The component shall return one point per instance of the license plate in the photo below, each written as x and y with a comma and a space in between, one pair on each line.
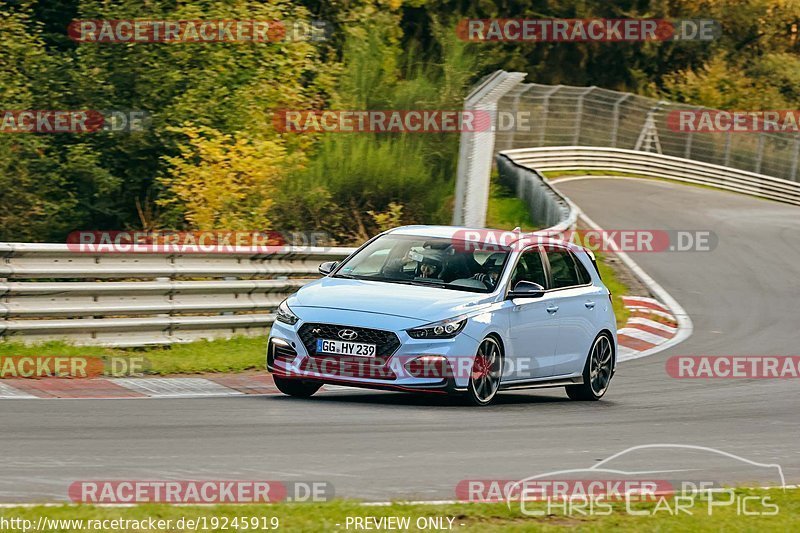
358, 349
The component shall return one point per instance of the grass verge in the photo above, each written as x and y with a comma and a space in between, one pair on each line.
506, 211
333, 516
616, 286
223, 355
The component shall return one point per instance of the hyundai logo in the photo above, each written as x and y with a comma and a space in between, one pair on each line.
347, 334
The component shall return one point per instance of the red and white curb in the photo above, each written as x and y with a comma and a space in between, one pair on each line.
130, 388
650, 325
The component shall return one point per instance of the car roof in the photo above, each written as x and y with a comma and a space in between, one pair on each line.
482, 235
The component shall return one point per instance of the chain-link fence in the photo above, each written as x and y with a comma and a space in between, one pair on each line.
589, 116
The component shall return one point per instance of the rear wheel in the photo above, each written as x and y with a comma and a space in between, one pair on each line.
484, 380
596, 372
296, 387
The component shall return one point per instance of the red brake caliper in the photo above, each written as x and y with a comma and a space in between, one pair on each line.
480, 368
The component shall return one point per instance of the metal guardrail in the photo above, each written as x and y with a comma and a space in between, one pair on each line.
656, 165
548, 207
54, 292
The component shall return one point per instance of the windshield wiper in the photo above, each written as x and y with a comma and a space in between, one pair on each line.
426, 281
421, 282
371, 278
444, 285
350, 276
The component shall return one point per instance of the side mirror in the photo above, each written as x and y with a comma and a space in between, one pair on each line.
526, 289
327, 267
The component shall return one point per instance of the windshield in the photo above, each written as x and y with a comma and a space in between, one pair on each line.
442, 262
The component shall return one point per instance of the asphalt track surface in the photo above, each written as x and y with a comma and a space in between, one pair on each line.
743, 298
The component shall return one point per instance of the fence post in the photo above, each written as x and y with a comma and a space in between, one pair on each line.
760, 153
687, 152
793, 172
615, 128
546, 112
579, 115
515, 110
727, 148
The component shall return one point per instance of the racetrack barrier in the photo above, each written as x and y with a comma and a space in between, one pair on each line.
53, 292
651, 164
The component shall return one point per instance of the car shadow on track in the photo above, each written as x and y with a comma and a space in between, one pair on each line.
430, 400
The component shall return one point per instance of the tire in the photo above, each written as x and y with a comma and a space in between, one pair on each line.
487, 369
296, 387
597, 371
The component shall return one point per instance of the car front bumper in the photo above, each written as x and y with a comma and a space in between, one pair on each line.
446, 368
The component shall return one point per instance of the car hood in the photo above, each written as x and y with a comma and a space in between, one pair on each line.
426, 304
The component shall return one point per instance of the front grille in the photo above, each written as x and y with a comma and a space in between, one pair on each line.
386, 342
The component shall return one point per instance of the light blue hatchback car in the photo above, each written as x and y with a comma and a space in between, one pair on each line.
450, 310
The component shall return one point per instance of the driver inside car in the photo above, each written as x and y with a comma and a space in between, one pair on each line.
490, 271
429, 268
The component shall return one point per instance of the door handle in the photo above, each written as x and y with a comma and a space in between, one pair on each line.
589, 304
552, 309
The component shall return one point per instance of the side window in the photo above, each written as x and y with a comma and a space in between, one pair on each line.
583, 274
529, 268
563, 269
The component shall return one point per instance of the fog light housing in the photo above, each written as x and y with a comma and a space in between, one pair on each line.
429, 366
280, 350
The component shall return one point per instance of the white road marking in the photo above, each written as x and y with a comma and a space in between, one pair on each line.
176, 387
624, 353
651, 324
642, 335
8, 392
652, 312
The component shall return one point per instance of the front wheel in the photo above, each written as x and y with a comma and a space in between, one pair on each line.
484, 379
596, 372
296, 387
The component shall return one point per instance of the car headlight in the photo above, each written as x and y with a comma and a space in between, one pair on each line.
285, 315
446, 329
